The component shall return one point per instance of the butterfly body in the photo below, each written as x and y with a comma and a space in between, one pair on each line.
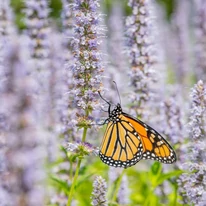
127, 140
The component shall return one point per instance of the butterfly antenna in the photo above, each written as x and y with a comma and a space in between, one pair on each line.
117, 92
104, 98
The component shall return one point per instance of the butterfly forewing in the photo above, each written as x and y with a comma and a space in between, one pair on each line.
121, 145
154, 145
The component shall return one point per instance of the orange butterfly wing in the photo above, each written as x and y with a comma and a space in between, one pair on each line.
154, 145
121, 145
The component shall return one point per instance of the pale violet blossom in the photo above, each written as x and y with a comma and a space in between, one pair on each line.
99, 192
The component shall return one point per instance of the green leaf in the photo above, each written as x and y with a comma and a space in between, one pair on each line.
167, 176
60, 184
156, 168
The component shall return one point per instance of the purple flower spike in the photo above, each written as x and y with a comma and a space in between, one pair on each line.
87, 67
99, 192
141, 50
192, 183
37, 12
200, 34
23, 173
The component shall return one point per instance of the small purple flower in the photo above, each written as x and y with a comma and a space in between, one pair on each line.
92, 43
99, 192
80, 148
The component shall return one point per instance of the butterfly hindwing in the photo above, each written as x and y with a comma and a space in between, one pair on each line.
154, 145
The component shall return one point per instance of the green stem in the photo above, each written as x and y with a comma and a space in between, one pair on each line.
70, 169
84, 134
74, 183
77, 171
149, 200
175, 198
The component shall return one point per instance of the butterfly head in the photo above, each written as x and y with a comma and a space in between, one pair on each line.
118, 108
114, 114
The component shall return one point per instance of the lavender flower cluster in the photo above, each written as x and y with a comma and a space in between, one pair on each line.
200, 32
141, 50
99, 192
23, 172
37, 13
87, 68
192, 182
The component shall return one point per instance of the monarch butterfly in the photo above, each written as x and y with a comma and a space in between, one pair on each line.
127, 140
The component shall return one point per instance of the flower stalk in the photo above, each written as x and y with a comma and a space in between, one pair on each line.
86, 69
74, 183
77, 170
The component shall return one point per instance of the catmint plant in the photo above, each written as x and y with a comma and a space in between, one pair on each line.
7, 32
116, 39
171, 116
192, 183
42, 68
173, 124
200, 39
65, 126
36, 21
67, 109
67, 28
181, 41
55, 97
37, 31
141, 51
116, 58
99, 192
6, 19
24, 156
87, 68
